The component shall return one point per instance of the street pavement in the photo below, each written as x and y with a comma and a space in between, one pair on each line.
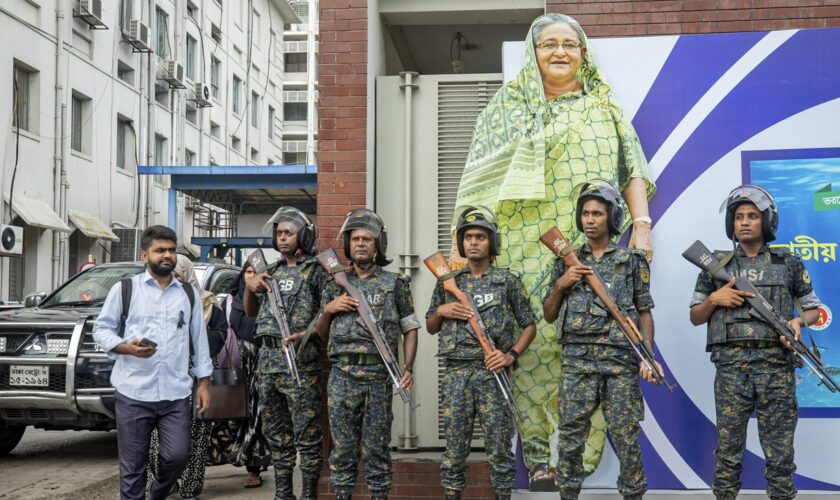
83, 465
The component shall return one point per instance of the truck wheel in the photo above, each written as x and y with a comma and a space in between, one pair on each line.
9, 437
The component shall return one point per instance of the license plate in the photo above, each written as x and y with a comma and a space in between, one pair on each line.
29, 375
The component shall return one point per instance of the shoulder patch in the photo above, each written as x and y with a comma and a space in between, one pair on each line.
499, 275
645, 273
779, 250
639, 252
805, 276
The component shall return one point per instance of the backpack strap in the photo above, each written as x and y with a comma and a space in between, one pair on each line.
125, 295
190, 291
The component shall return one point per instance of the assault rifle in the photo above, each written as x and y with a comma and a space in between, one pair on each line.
762, 310
278, 310
329, 261
440, 268
558, 244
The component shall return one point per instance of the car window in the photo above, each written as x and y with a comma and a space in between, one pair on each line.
91, 286
222, 280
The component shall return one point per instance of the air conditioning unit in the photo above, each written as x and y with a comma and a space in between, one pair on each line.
202, 96
128, 248
173, 74
138, 36
90, 11
11, 240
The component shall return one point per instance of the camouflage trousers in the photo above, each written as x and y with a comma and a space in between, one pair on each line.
360, 414
773, 397
596, 375
291, 418
470, 391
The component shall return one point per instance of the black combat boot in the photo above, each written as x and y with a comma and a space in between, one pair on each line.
343, 494
379, 495
502, 494
452, 494
283, 487
310, 489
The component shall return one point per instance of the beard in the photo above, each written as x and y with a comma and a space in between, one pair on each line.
162, 268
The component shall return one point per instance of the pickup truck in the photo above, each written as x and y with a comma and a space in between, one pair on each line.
53, 375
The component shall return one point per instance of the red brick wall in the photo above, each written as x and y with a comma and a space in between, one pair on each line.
342, 114
666, 17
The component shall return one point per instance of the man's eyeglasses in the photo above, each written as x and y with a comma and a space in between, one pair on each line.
553, 46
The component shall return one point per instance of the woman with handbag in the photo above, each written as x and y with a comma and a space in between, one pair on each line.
242, 442
191, 482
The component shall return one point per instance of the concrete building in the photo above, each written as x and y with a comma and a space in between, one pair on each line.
103, 87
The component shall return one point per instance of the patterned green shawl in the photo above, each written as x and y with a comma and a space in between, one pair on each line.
507, 159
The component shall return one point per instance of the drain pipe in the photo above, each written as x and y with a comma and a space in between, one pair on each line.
407, 266
58, 160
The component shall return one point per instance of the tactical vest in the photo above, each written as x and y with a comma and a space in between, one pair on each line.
300, 303
768, 271
348, 336
490, 296
584, 318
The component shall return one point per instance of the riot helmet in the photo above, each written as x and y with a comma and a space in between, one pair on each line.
368, 220
303, 228
606, 191
762, 199
481, 217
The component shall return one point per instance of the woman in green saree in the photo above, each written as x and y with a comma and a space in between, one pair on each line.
554, 126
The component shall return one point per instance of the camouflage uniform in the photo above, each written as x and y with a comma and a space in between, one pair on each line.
292, 414
600, 368
468, 388
754, 370
359, 391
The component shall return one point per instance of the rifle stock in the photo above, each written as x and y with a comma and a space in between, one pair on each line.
439, 267
699, 255
558, 244
328, 259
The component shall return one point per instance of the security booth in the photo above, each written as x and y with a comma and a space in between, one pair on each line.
223, 207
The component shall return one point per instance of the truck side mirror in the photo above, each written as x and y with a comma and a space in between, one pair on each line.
33, 299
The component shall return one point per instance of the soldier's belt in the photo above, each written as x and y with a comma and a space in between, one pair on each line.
359, 359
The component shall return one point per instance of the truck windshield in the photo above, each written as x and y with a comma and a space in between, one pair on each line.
90, 287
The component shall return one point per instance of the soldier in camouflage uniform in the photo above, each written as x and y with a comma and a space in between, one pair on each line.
599, 365
359, 390
291, 414
754, 371
469, 389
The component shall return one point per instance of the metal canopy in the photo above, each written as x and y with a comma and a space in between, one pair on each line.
252, 188
91, 227
36, 213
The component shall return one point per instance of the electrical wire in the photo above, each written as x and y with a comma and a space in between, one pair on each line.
17, 145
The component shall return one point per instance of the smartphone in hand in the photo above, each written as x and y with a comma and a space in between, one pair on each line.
148, 343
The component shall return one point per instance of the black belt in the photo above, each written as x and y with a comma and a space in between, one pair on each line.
273, 342
359, 358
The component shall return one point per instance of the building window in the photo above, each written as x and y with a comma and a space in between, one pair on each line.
81, 123
235, 143
161, 155
294, 62
192, 10
302, 10
294, 158
191, 114
191, 48
255, 155
269, 161
215, 130
237, 85
255, 110
215, 72
125, 72
294, 111
126, 13
189, 157
270, 122
162, 41
240, 12
125, 142
25, 98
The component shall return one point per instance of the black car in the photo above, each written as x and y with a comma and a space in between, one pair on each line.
53, 375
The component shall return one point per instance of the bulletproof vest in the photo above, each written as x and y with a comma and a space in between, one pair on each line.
299, 301
489, 292
584, 318
768, 272
347, 333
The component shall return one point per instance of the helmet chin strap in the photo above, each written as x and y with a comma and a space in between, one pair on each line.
370, 265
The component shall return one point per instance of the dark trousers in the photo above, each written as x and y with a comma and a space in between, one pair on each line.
135, 421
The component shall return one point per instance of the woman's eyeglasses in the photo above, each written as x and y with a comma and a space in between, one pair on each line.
553, 46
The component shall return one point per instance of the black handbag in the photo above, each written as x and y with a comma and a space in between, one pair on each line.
228, 394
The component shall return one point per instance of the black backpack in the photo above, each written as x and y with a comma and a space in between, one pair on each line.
127, 285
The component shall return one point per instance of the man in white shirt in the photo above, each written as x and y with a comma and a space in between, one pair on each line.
151, 374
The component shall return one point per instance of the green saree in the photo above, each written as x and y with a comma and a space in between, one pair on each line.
526, 156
